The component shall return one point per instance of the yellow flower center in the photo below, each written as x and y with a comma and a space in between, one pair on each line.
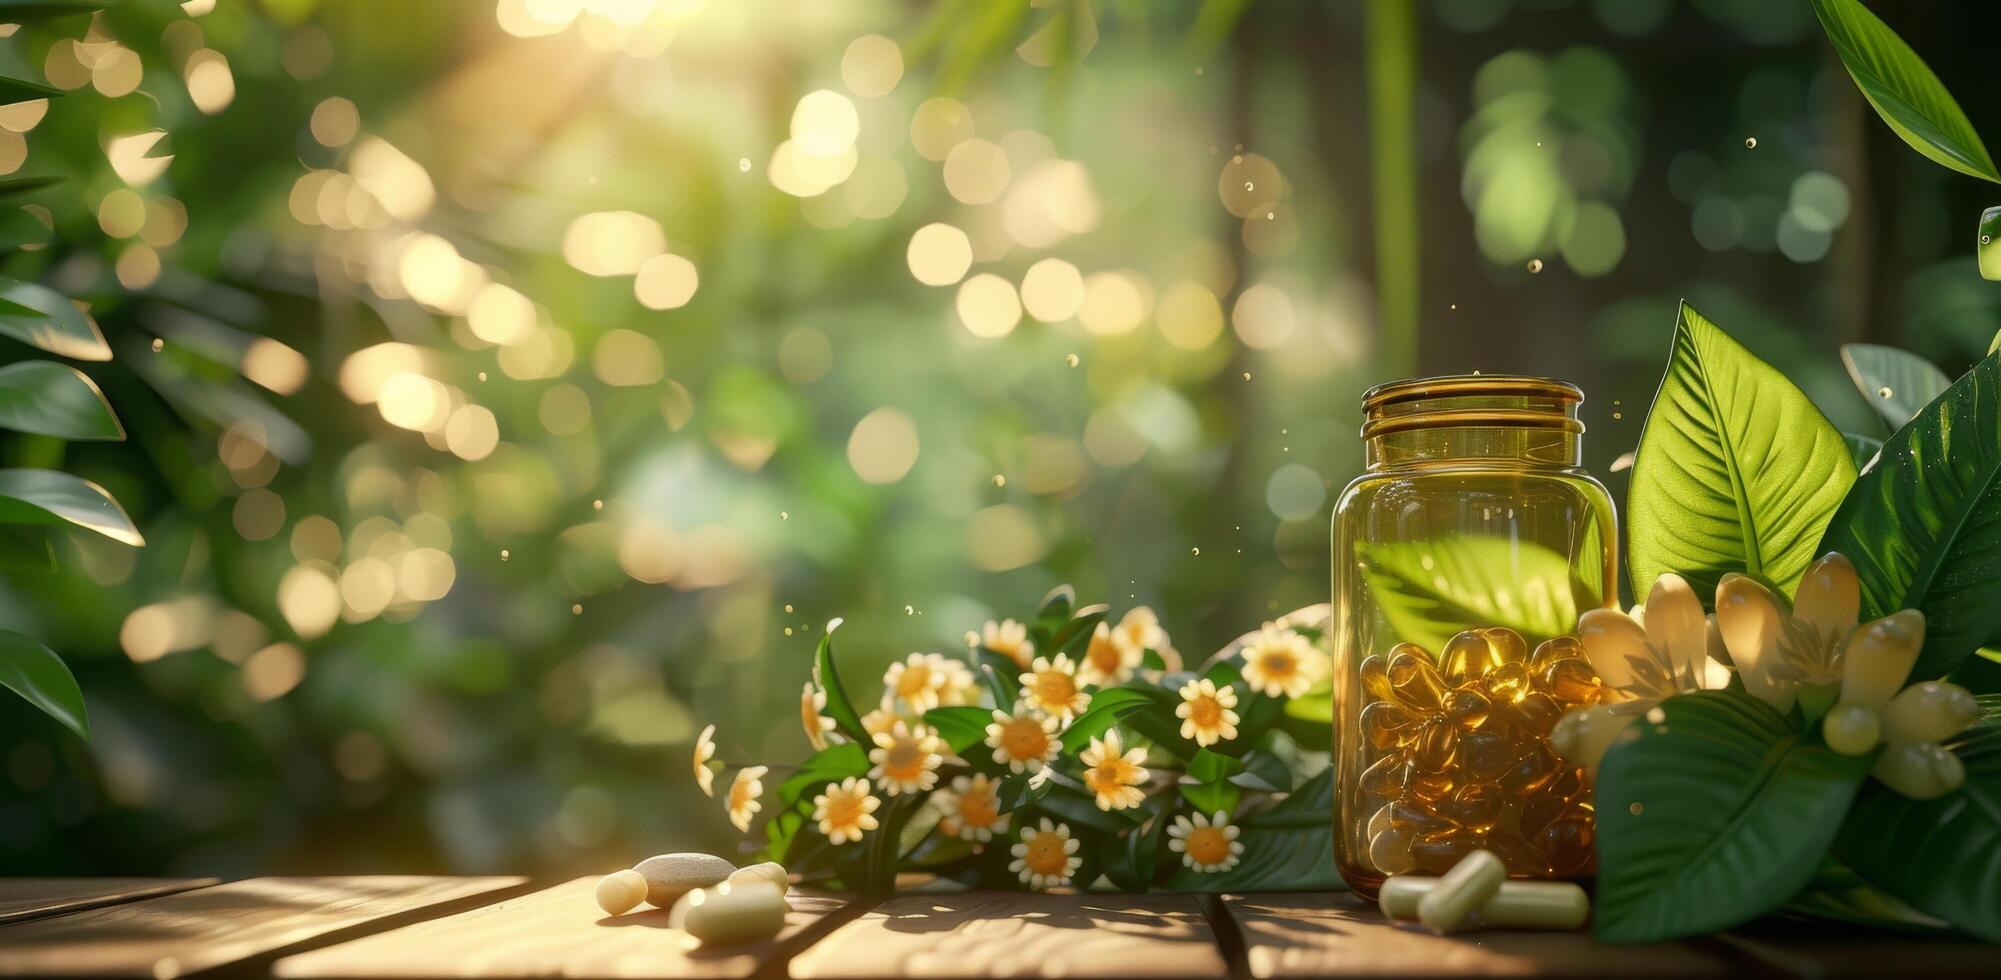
740, 795
1024, 738
1278, 663
979, 809
1105, 656
1108, 776
1207, 845
1205, 712
904, 760
1054, 689
844, 809
915, 679
1045, 855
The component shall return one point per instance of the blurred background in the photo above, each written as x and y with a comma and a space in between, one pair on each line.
515, 387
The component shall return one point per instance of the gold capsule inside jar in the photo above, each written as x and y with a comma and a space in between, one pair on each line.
1458, 757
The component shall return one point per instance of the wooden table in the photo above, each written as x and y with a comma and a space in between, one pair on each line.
425, 927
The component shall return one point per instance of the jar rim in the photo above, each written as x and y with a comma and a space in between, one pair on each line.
1469, 385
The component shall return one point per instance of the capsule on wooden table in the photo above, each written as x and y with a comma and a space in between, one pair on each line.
1470, 883
1517, 905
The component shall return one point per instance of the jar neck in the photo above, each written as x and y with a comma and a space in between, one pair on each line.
1502, 421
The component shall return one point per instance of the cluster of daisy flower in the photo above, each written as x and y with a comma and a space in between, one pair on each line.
1051, 691
1809, 652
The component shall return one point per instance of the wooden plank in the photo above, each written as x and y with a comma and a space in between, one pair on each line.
1822, 949
32, 898
1319, 935
556, 932
976, 934
210, 927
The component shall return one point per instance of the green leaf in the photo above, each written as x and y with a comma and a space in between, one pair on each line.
1107, 709
1903, 89
17, 185
1206, 783
1942, 856
1286, 847
34, 672
1896, 382
1430, 590
38, 315
961, 727
53, 399
1861, 449
1310, 719
18, 228
1923, 525
1056, 605
1263, 772
1133, 870
1838, 894
1074, 636
1081, 809
13, 90
829, 765
52, 497
1713, 816
1737, 471
839, 707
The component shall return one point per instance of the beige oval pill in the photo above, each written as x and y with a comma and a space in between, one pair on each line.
727, 915
669, 876
1470, 883
770, 872
619, 891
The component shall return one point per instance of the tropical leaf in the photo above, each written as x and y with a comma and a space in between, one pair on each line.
1942, 856
1897, 383
34, 672
1713, 816
53, 399
14, 90
1286, 847
1923, 523
839, 707
1430, 590
16, 185
53, 497
38, 315
1903, 89
1861, 449
961, 726
1737, 471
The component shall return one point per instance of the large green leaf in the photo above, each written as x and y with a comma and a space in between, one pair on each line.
28, 11
1737, 471
839, 707
1942, 856
1287, 847
14, 90
1714, 815
1923, 523
53, 497
1861, 449
53, 399
34, 672
1905, 92
38, 315
961, 726
1429, 590
1896, 382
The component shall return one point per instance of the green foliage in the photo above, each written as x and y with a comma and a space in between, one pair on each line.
1942, 856
53, 497
961, 726
1896, 383
1923, 526
1737, 471
1716, 815
839, 707
1107, 708
40, 316
14, 90
1286, 847
1903, 89
34, 672
1430, 590
1861, 449
53, 399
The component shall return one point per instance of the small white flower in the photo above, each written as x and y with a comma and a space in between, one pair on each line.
846, 810
1109, 660
1050, 686
917, 681
1007, 638
1206, 844
1045, 858
1205, 712
1114, 776
744, 791
970, 809
906, 759
812, 702
705, 749
1281, 662
1023, 740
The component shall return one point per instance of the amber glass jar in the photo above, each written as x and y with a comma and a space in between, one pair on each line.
1462, 557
